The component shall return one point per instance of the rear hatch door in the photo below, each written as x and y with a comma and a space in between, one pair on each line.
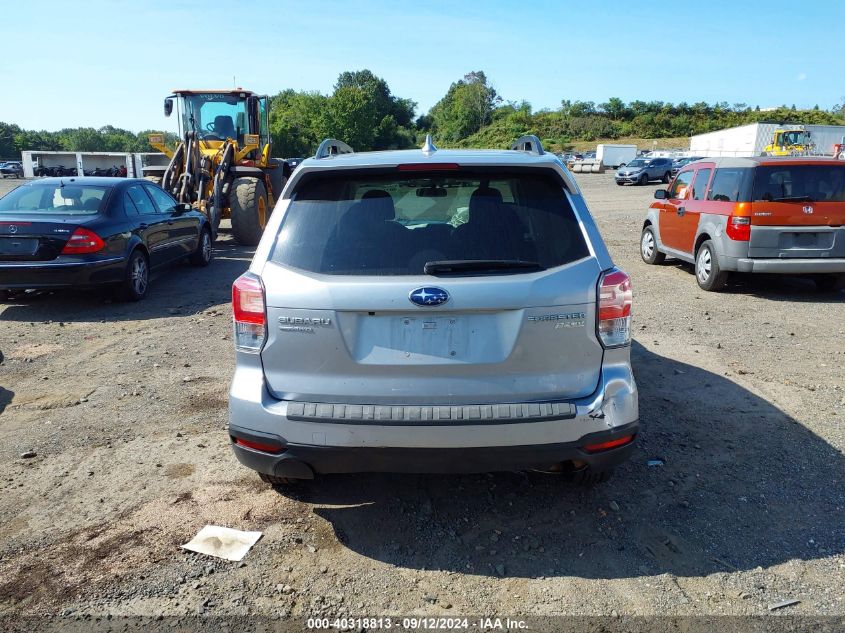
452, 287
798, 211
508, 338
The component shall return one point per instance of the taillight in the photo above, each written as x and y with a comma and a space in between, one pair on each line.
259, 446
82, 242
606, 446
614, 311
738, 228
249, 313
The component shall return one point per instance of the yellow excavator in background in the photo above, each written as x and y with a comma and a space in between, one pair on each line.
222, 165
794, 141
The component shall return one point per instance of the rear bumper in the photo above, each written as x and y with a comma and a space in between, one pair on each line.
60, 274
787, 266
303, 461
404, 442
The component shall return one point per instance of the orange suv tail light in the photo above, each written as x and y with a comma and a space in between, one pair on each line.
738, 228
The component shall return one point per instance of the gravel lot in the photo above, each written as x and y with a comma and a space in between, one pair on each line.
742, 397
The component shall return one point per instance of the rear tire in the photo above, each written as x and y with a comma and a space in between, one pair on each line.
204, 253
248, 203
667, 177
830, 282
136, 279
648, 247
707, 272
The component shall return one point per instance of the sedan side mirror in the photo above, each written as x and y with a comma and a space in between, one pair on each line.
661, 194
182, 207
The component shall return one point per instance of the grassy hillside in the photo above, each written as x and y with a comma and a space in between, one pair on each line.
678, 142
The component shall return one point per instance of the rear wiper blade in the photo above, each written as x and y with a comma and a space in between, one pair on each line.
466, 265
794, 199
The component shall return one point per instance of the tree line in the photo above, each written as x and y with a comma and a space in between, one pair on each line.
362, 110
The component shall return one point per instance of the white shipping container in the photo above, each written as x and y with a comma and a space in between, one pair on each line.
615, 155
752, 139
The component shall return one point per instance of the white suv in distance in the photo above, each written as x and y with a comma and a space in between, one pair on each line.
432, 311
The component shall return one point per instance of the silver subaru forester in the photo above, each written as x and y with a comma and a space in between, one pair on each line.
432, 311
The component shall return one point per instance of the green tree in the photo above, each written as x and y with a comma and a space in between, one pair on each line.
466, 107
296, 124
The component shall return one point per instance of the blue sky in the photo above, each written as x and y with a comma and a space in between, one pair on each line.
91, 63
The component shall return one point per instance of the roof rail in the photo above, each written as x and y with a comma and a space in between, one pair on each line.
528, 143
332, 147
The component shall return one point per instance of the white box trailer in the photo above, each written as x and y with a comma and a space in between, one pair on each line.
752, 139
81, 162
615, 156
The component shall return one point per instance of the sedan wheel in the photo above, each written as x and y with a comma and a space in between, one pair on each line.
202, 256
136, 279
140, 275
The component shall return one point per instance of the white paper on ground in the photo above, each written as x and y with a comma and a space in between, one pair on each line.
222, 542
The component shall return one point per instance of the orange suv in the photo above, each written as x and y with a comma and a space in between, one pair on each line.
752, 215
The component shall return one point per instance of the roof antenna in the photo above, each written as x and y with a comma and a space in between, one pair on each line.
428, 147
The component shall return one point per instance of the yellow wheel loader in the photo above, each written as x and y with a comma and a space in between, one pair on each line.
790, 142
222, 164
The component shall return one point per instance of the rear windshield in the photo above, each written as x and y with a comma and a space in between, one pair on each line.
810, 183
59, 199
393, 224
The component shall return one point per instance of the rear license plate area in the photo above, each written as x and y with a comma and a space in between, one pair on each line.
430, 336
16, 246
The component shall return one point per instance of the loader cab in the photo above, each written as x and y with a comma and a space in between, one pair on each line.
791, 138
217, 115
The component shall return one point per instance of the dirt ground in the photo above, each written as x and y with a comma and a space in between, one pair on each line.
742, 399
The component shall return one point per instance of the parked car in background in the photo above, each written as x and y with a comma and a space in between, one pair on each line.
294, 162
678, 163
11, 169
752, 215
641, 171
437, 311
81, 232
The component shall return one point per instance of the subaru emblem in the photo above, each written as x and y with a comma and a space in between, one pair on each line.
428, 296
13, 229
808, 209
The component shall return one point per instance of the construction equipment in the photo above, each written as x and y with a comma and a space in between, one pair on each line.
793, 141
222, 164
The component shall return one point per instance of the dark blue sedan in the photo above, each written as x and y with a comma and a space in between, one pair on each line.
83, 232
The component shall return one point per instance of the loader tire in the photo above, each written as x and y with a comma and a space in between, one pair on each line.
248, 204
156, 180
